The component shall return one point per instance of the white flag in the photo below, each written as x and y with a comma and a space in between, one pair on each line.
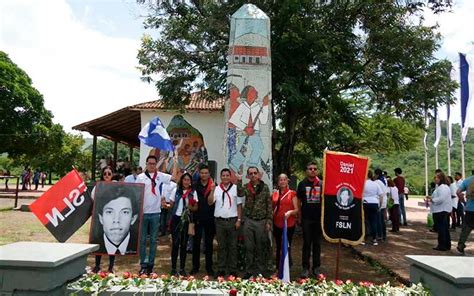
427, 126
438, 128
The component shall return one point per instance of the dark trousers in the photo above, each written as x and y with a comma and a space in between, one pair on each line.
460, 214
395, 217
381, 226
98, 258
467, 227
226, 235
312, 234
371, 217
278, 234
180, 236
164, 218
208, 228
453, 215
441, 222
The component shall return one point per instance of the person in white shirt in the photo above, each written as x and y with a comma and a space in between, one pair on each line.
182, 204
395, 209
151, 210
372, 198
382, 227
441, 206
460, 209
454, 201
228, 215
133, 176
167, 192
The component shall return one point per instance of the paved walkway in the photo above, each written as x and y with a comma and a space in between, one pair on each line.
414, 239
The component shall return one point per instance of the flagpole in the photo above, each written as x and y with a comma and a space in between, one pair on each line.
338, 254
436, 158
462, 159
449, 158
426, 172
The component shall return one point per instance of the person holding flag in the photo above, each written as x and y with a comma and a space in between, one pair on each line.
155, 135
309, 194
285, 209
204, 220
228, 217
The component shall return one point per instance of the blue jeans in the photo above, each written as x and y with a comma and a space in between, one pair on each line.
150, 226
403, 214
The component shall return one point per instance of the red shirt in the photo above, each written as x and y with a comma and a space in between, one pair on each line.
286, 204
400, 183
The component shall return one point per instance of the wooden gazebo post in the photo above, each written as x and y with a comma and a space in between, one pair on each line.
94, 154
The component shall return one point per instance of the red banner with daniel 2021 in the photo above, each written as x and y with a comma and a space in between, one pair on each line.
343, 187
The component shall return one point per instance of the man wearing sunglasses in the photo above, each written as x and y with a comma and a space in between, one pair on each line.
153, 180
309, 194
258, 215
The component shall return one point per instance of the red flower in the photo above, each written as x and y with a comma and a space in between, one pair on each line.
339, 282
103, 274
127, 275
302, 281
220, 279
205, 278
233, 292
143, 276
154, 275
321, 277
231, 278
191, 278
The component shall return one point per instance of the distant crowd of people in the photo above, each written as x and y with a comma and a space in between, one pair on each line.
30, 180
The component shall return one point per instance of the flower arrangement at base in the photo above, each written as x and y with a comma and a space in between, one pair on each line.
93, 284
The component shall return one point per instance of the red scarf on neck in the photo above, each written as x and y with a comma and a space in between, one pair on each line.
208, 187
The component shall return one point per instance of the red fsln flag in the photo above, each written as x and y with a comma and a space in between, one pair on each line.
65, 207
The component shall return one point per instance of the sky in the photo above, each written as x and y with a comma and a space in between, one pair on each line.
81, 54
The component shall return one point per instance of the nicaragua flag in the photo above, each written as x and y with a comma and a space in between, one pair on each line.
466, 76
284, 268
154, 134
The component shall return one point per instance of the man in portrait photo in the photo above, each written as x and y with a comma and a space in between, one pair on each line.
116, 218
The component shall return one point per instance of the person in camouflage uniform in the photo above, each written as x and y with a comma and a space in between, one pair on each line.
257, 221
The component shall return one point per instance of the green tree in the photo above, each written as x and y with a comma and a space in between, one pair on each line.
24, 121
336, 68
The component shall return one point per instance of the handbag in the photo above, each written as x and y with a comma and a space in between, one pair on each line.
191, 229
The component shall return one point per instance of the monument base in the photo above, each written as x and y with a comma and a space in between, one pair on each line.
33, 268
443, 275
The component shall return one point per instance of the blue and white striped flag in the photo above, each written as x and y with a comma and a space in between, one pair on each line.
466, 71
154, 134
284, 269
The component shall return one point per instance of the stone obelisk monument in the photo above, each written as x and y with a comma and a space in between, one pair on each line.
247, 109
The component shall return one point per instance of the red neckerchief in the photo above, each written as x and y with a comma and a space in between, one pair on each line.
185, 195
226, 192
208, 187
153, 182
250, 188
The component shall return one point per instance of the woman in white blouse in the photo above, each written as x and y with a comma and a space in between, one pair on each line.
441, 206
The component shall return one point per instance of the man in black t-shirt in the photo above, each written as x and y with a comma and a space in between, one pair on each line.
204, 219
309, 194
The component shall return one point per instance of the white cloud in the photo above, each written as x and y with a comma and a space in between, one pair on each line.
81, 72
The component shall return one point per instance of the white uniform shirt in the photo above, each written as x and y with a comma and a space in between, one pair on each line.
442, 199
179, 209
152, 202
394, 195
372, 192
225, 208
384, 194
454, 200
169, 190
130, 178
